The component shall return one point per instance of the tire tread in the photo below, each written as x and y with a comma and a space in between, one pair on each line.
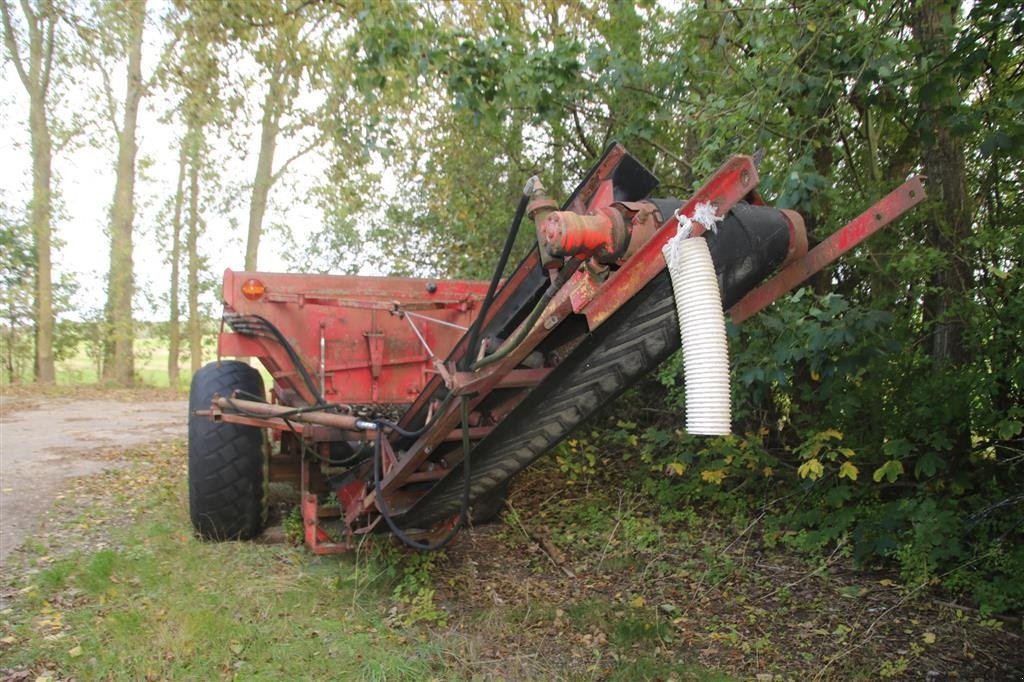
225, 461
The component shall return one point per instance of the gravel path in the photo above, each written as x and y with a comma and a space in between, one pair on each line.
43, 447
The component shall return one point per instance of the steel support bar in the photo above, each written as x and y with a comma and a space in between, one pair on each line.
317, 539
341, 421
734, 180
313, 432
475, 433
887, 209
259, 422
314, 298
468, 382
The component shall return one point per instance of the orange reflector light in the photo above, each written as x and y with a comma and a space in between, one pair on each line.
253, 289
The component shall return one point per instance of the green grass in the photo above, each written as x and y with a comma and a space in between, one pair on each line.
160, 604
650, 668
176, 608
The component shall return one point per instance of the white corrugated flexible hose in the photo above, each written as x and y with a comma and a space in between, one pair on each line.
701, 326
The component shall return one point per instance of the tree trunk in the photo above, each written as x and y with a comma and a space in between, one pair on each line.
195, 334
122, 212
264, 178
40, 215
41, 28
174, 324
949, 225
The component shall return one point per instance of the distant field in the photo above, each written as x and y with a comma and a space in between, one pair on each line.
150, 364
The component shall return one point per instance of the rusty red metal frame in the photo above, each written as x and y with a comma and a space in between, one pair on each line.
595, 293
735, 179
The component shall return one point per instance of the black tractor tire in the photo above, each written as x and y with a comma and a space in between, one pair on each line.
226, 462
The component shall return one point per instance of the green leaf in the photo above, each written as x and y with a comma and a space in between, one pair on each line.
848, 470
927, 465
897, 448
811, 469
891, 470
1008, 428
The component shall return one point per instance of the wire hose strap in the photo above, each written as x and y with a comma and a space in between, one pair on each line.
701, 327
378, 462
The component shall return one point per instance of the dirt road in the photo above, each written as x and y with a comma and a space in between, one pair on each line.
41, 448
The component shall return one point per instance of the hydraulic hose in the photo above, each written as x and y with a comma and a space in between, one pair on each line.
523, 329
520, 334
378, 461
240, 323
506, 251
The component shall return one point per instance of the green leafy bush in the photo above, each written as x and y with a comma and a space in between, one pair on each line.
839, 435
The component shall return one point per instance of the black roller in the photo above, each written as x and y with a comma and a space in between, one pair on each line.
749, 245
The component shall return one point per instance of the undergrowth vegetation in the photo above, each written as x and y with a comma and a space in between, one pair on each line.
841, 442
592, 576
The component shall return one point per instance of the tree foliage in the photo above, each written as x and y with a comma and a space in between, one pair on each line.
886, 394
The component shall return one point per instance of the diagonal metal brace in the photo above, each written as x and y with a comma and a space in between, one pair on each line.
888, 208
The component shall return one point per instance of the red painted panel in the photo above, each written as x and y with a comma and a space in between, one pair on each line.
371, 355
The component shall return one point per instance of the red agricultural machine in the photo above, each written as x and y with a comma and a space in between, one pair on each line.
407, 405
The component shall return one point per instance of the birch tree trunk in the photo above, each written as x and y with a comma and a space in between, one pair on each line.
195, 332
270, 126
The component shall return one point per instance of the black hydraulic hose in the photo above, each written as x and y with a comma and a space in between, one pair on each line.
510, 240
524, 328
379, 493
276, 334
398, 429
364, 453
520, 334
